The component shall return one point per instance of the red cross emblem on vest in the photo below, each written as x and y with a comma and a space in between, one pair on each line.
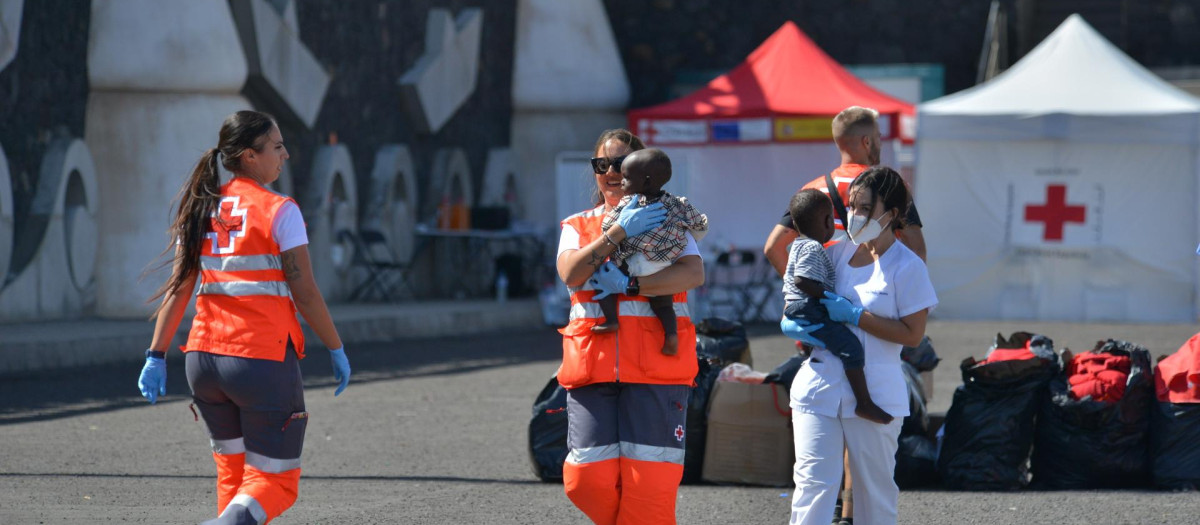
227, 223
1055, 213
678, 432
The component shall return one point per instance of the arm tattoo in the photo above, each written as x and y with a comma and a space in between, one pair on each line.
291, 270
596, 259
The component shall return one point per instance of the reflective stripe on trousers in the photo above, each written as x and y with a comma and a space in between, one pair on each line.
626, 309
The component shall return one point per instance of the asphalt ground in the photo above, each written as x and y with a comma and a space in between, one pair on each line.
434, 431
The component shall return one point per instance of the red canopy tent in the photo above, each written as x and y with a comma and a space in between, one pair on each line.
743, 144
787, 90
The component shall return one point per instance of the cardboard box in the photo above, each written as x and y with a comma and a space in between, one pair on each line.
749, 436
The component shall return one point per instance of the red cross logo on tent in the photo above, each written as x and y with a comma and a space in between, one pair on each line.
227, 223
678, 432
1055, 213
645, 131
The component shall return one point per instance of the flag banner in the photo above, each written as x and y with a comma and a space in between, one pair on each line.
658, 131
803, 128
742, 130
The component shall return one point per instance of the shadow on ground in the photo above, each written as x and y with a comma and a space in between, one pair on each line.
308, 477
67, 392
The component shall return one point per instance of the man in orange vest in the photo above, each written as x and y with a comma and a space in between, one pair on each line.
856, 134
248, 246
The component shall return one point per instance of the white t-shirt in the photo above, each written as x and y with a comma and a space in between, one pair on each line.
569, 240
288, 229
895, 286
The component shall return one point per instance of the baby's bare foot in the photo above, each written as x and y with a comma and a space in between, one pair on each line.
606, 328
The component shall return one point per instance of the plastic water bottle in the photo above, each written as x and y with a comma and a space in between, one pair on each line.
501, 287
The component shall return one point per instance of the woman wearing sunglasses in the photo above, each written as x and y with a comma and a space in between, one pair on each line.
626, 400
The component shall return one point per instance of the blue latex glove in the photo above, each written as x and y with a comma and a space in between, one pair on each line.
609, 280
636, 220
153, 379
841, 309
801, 331
341, 368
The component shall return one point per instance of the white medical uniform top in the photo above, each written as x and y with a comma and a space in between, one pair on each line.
893, 287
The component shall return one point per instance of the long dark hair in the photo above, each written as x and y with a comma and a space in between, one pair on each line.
622, 135
885, 183
199, 196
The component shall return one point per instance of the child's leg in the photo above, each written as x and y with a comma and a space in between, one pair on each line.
865, 407
663, 307
608, 305
841, 342
850, 351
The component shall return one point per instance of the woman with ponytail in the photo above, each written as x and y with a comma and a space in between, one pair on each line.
247, 246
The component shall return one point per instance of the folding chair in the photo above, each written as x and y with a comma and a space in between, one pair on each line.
737, 282
386, 276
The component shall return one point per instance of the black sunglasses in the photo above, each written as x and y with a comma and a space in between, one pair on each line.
600, 165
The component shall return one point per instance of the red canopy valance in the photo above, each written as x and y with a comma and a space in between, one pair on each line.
786, 90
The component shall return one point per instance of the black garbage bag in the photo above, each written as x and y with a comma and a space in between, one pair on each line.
723, 340
922, 357
916, 423
548, 432
1086, 444
916, 457
719, 343
1174, 435
916, 462
989, 429
697, 419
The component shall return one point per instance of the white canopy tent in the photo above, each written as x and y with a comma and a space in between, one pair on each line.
1064, 189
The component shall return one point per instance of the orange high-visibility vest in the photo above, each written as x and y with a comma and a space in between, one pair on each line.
244, 305
842, 177
634, 353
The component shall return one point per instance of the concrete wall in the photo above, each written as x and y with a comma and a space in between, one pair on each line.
48, 194
568, 85
59, 238
10, 29
43, 91
148, 122
162, 75
370, 47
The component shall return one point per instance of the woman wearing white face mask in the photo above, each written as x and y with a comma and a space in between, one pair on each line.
884, 294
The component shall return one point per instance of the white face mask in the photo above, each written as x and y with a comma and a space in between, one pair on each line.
863, 230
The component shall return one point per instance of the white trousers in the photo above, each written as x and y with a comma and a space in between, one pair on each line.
818, 469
